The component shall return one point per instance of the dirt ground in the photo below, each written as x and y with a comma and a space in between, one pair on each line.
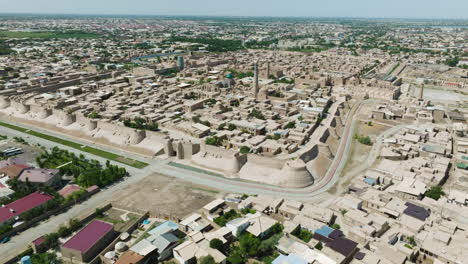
114, 216
31, 152
359, 152
165, 197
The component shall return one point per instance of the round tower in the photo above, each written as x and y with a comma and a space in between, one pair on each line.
4, 102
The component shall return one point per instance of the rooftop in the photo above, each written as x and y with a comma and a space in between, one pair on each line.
22, 205
88, 236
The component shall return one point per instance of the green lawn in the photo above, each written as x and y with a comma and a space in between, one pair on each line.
47, 34
94, 151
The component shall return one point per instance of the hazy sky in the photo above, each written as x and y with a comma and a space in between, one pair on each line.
322, 8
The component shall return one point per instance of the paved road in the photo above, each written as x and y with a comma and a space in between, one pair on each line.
21, 241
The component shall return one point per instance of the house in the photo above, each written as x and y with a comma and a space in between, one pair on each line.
16, 208
88, 243
130, 257
289, 259
69, 190
189, 251
164, 228
238, 225
160, 243
213, 206
49, 177
185, 252
290, 246
410, 189
13, 170
260, 225
195, 222
346, 247
290, 209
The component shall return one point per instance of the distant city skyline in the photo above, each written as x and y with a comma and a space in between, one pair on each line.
448, 9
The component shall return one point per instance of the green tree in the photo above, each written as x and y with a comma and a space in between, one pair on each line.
249, 244
319, 246
244, 150
45, 258
435, 192
206, 260
336, 226
214, 141
216, 244
291, 125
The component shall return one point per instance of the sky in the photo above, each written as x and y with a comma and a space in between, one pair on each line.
446, 9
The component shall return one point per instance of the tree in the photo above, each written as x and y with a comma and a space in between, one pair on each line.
44, 258
51, 240
291, 125
216, 244
231, 127
249, 244
319, 246
365, 140
206, 260
236, 256
257, 114
411, 240
244, 150
303, 234
336, 226
267, 246
435, 192
214, 141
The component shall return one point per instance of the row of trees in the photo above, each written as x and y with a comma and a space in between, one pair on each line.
141, 123
86, 172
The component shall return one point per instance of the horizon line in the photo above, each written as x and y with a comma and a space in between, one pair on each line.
231, 16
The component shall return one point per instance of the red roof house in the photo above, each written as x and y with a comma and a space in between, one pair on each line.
87, 243
69, 190
22, 205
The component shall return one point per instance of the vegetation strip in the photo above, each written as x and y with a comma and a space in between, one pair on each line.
94, 151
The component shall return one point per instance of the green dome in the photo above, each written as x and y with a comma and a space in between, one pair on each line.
229, 75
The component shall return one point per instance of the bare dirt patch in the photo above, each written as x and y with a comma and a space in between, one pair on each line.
358, 153
165, 197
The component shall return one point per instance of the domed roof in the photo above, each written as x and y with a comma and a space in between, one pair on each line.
229, 76
120, 246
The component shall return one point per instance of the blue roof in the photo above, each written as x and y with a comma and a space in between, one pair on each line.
289, 259
324, 231
370, 181
163, 228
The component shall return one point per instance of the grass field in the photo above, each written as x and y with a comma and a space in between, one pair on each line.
94, 151
47, 34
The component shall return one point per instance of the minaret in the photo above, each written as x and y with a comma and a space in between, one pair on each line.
256, 86
421, 93
268, 70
